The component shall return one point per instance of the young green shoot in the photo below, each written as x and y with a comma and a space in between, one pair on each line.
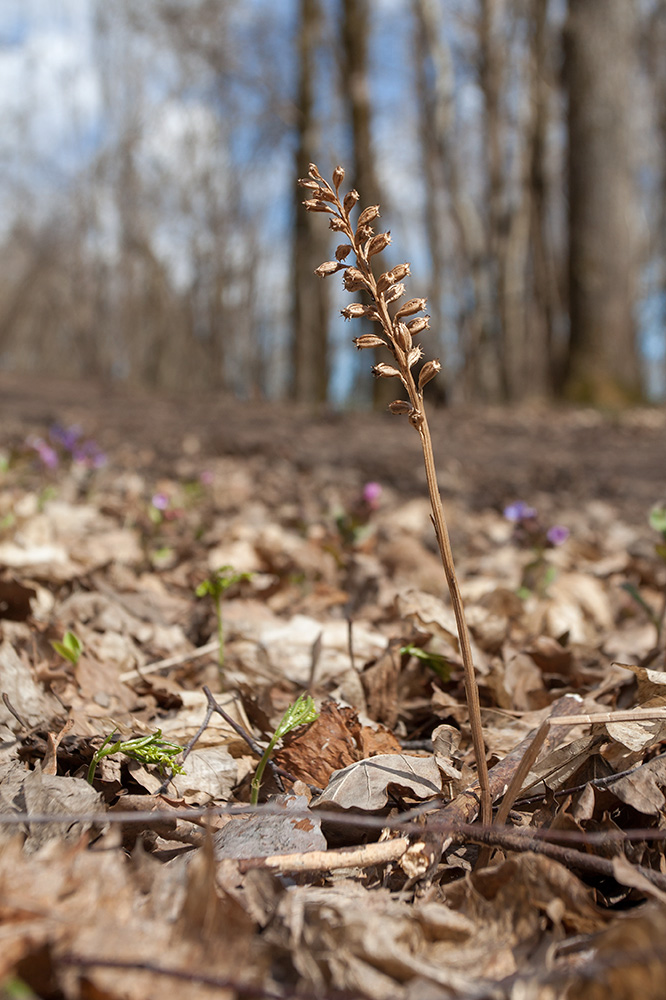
437, 663
301, 713
656, 617
150, 749
216, 586
70, 648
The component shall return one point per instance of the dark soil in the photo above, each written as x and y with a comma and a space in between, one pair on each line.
486, 457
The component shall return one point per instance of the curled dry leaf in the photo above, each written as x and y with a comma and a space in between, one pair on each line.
368, 783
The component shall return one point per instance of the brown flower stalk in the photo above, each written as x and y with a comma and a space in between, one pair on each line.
396, 330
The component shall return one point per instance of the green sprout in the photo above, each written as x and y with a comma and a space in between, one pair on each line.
301, 713
657, 521
216, 586
150, 749
70, 648
437, 663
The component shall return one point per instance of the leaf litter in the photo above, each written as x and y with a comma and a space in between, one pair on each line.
361, 872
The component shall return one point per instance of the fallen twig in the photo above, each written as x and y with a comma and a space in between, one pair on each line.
316, 861
170, 661
524, 840
187, 975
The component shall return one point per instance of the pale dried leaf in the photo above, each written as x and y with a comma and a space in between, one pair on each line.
260, 836
367, 783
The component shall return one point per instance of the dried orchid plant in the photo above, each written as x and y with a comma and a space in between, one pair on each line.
396, 329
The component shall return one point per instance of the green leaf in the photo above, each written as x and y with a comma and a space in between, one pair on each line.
301, 713
151, 749
438, 663
70, 648
658, 520
220, 581
640, 600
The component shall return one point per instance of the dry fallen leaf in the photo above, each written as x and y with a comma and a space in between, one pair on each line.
367, 784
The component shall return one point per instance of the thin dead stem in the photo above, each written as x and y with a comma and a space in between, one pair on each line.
396, 332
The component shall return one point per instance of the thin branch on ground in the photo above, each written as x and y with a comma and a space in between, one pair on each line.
186, 975
170, 661
379, 853
524, 840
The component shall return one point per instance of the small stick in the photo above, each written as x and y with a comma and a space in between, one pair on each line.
630, 715
170, 661
187, 975
317, 861
21, 721
50, 761
522, 841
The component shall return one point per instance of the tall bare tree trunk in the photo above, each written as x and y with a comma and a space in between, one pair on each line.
491, 374
601, 42
355, 41
545, 302
311, 301
443, 170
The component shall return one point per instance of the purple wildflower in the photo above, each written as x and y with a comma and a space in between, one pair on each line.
207, 477
90, 454
160, 501
47, 454
66, 437
519, 511
557, 535
371, 494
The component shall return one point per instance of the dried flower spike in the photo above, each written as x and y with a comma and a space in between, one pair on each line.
386, 289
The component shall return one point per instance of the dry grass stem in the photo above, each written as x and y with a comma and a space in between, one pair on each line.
396, 329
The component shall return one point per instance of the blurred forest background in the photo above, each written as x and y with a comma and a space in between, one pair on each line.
150, 223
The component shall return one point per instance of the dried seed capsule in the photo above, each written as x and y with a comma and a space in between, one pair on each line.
411, 307
428, 372
343, 251
353, 280
317, 206
355, 310
403, 337
399, 272
367, 215
382, 370
338, 176
337, 224
394, 292
414, 355
400, 406
328, 267
369, 340
378, 243
314, 172
325, 193
350, 200
418, 325
363, 233
307, 182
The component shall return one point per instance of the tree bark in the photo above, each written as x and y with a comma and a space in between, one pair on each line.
356, 89
600, 49
311, 299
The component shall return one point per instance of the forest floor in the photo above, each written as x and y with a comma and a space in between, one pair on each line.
362, 876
